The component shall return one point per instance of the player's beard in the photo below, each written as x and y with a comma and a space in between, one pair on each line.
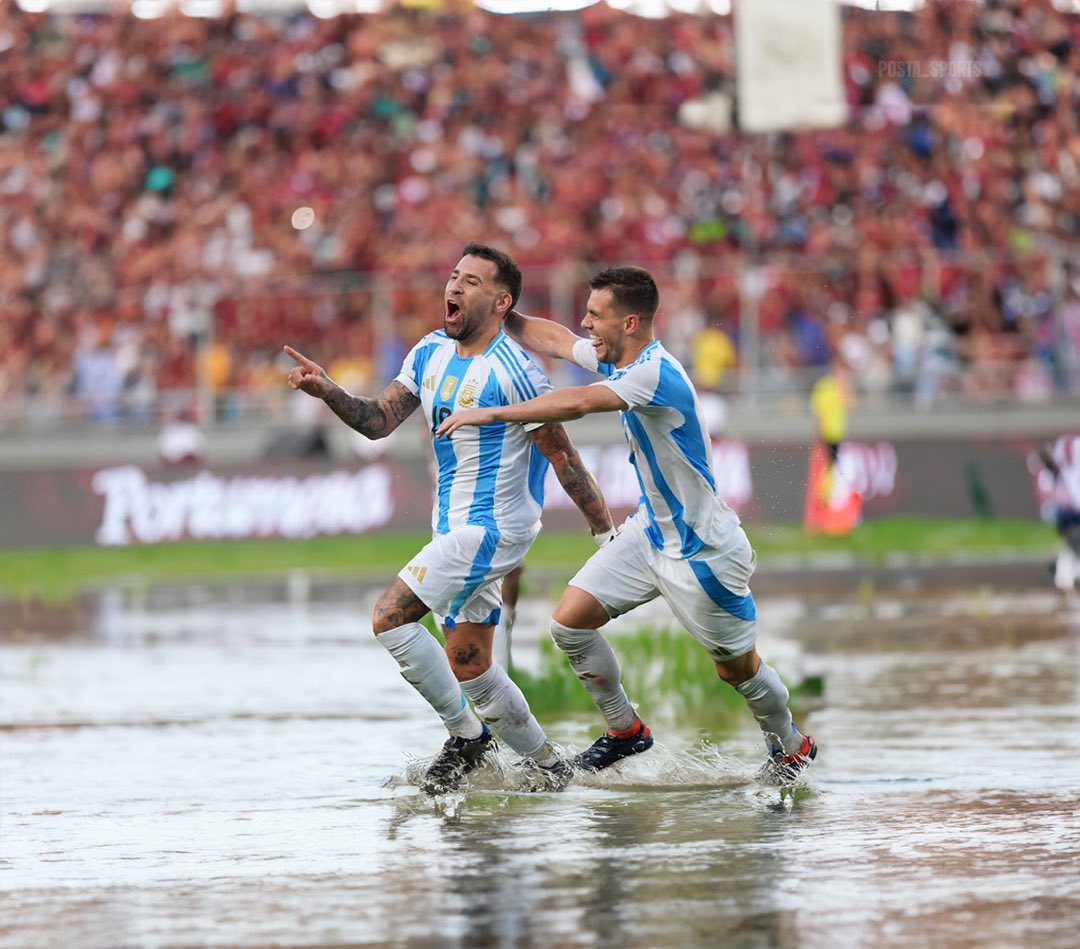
465, 327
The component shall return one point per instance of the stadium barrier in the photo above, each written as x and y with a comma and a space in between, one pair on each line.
128, 504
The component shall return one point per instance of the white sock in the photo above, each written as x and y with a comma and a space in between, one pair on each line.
502, 706
425, 667
594, 663
500, 648
767, 697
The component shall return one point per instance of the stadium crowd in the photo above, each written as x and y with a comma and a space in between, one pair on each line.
149, 171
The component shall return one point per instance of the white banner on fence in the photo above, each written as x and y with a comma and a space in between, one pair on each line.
211, 507
788, 71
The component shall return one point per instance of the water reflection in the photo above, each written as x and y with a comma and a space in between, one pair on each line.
194, 767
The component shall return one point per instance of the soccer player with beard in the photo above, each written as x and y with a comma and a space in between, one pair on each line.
489, 496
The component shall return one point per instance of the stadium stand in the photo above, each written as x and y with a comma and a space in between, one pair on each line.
150, 170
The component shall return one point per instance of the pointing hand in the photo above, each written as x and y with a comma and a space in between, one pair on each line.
308, 376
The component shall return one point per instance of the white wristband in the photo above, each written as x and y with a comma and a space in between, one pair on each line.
603, 538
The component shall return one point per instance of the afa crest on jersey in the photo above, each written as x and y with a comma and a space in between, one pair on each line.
467, 396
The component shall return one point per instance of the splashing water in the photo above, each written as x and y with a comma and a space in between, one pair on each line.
661, 768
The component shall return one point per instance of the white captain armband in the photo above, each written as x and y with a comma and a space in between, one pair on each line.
584, 354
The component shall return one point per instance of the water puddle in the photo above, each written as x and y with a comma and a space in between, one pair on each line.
237, 768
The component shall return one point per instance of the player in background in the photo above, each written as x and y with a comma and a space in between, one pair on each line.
1061, 458
502, 650
683, 543
489, 496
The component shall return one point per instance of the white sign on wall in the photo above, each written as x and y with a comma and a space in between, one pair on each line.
210, 507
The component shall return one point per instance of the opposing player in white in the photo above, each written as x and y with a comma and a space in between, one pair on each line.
683, 543
489, 496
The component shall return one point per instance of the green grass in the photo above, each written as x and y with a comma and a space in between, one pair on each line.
664, 670
56, 574
878, 538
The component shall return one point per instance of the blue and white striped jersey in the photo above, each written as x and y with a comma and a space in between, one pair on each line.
671, 453
492, 475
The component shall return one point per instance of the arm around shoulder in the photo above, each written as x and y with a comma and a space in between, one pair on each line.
542, 336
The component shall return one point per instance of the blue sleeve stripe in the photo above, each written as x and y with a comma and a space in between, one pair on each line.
534, 373
522, 362
510, 372
421, 360
508, 359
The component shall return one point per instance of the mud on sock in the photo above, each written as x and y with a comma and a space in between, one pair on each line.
424, 666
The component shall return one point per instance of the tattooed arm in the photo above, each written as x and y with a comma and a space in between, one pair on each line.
373, 418
577, 481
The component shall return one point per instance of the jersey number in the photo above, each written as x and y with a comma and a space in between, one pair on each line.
439, 414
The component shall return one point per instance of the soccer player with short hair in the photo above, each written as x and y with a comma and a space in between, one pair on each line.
683, 543
488, 500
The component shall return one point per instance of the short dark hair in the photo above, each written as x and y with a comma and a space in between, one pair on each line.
507, 272
632, 288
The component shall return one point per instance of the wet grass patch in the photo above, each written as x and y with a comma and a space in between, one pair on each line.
666, 674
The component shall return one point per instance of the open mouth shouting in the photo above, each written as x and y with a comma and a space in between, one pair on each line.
453, 313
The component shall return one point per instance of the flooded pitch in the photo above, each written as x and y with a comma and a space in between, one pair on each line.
200, 768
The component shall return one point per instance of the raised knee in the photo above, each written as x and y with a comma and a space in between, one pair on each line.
739, 670
734, 679
570, 640
378, 620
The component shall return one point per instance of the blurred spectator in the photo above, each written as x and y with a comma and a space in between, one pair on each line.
181, 441
713, 355
831, 400
98, 379
832, 506
151, 169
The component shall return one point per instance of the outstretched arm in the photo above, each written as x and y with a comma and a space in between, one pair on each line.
560, 405
542, 336
373, 418
576, 480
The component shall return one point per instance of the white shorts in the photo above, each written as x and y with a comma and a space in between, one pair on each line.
457, 575
709, 594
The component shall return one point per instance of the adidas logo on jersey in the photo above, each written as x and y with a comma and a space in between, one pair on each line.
417, 571
429, 383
